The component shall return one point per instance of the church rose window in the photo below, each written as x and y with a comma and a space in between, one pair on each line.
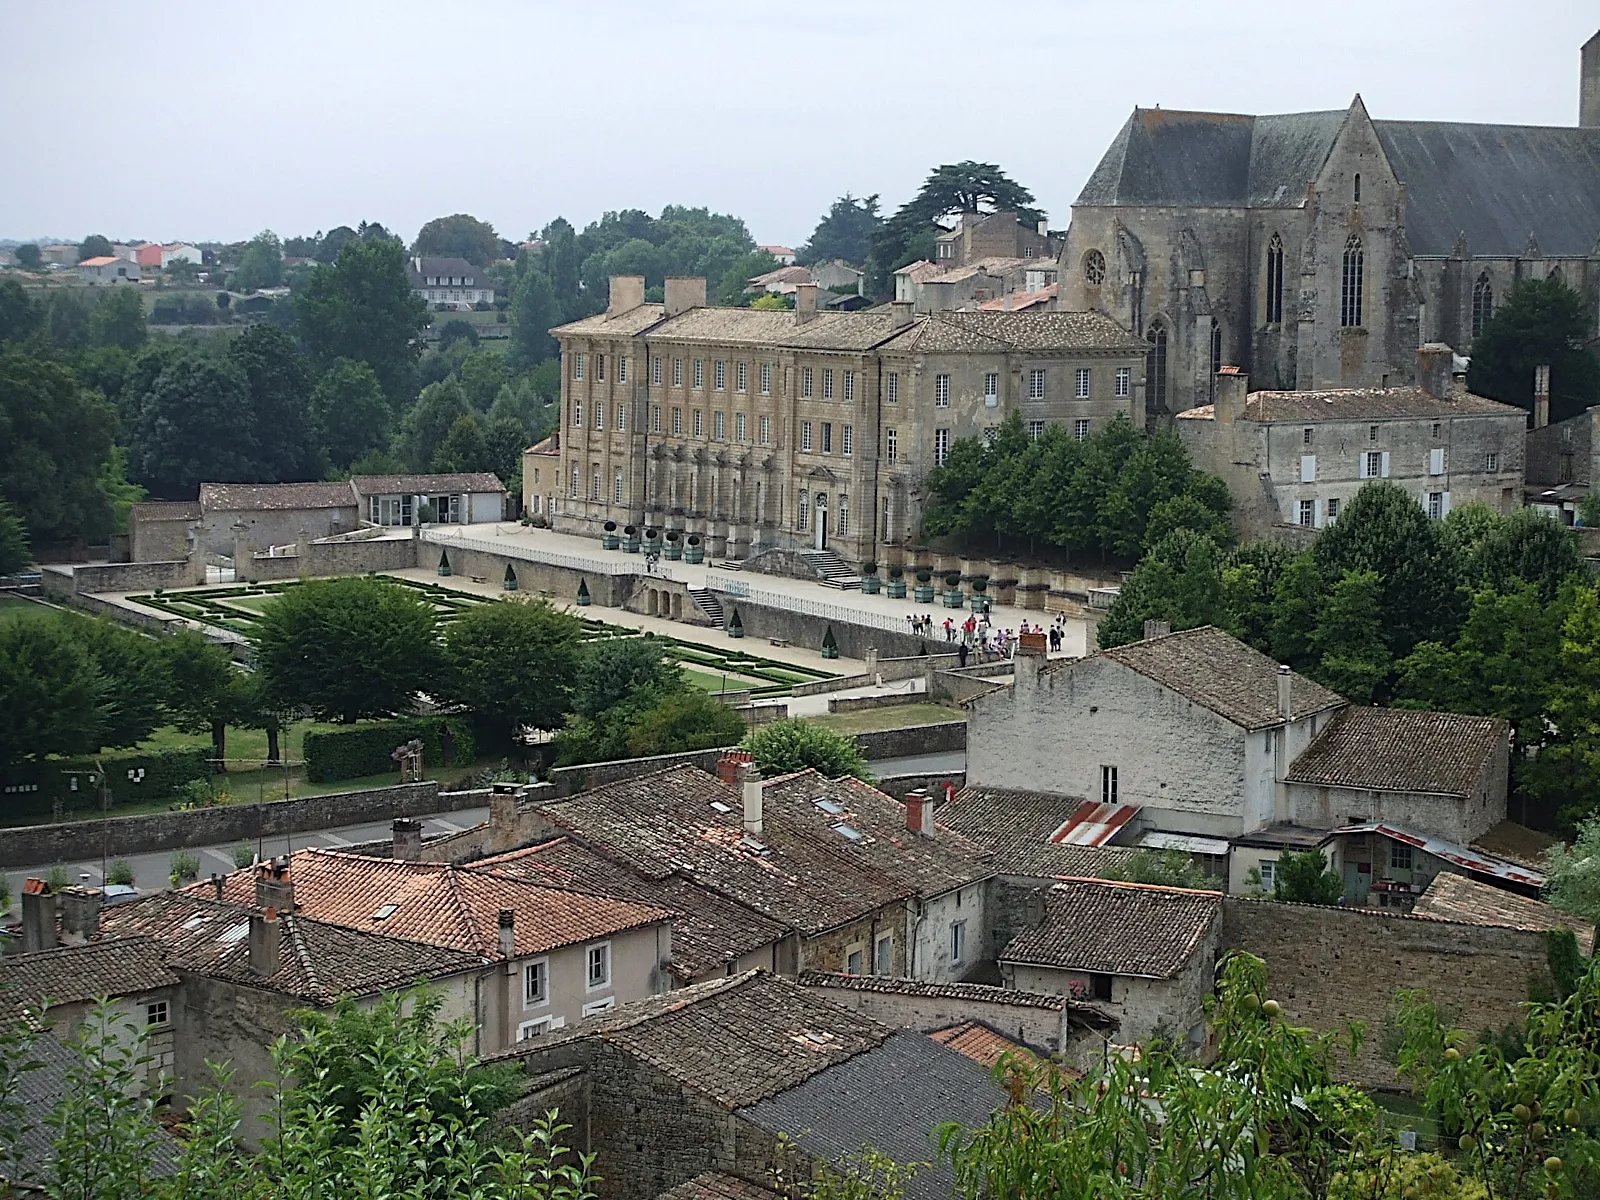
1094, 268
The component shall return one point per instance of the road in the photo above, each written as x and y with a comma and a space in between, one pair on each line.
150, 871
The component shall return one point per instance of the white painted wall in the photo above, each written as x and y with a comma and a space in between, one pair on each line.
931, 953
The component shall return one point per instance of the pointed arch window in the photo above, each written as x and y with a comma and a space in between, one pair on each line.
1275, 280
1482, 303
1094, 268
1358, 188
1156, 369
1216, 357
1355, 270
1555, 274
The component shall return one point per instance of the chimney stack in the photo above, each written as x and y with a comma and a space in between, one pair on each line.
1285, 693
901, 312
917, 819
265, 939
38, 916
1232, 389
80, 911
684, 292
1541, 396
508, 934
805, 303
407, 840
1154, 628
503, 815
734, 767
1589, 84
1044, 228
274, 888
752, 805
627, 293
216, 886
1436, 371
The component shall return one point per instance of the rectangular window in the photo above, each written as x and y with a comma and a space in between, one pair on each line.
989, 435
1036, 430
1400, 858
941, 391
616, 496
677, 372
1108, 785
599, 1006
532, 1029
891, 444
827, 383
1269, 871
892, 388
594, 482
1371, 464
600, 368
699, 423
1436, 505
849, 386
677, 421
1124, 381
1305, 436
1081, 385
941, 446
573, 491
883, 955
599, 972
805, 383
577, 412
1436, 461
852, 963
156, 1014
1308, 468
1080, 430
1308, 512
599, 416
766, 379
1099, 986
827, 437
764, 430
738, 376
885, 533
803, 511
720, 375
991, 389
719, 426
536, 982
1036, 384
1333, 510
699, 373
622, 368
847, 440
1372, 433
739, 427
655, 371
805, 435
622, 418
577, 365
655, 418
1491, 462
958, 943
1437, 429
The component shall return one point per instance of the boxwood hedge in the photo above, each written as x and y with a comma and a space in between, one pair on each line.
366, 749
32, 789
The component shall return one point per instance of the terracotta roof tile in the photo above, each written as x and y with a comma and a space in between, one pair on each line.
1082, 1013
1452, 897
986, 1047
1103, 927
116, 966
1401, 750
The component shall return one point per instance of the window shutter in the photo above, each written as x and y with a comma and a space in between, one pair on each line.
1445, 511
1308, 468
1384, 472
1436, 462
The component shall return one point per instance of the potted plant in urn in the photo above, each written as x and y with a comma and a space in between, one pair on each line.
952, 590
735, 625
981, 600
869, 578
674, 544
924, 589
897, 583
830, 648
630, 540
609, 540
694, 552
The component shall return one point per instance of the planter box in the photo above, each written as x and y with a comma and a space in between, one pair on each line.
630, 545
830, 652
897, 589
610, 542
952, 598
736, 631
982, 604
694, 554
583, 601
923, 593
674, 550
870, 584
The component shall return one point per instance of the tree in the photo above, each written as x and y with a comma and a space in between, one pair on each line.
1249, 590
1179, 581
459, 236
455, 329
534, 312
349, 413
261, 264
794, 744
275, 372
425, 429
135, 675
687, 720
14, 551
964, 187
845, 232
362, 307
1303, 878
332, 242
96, 245
1162, 868
1354, 661
51, 692
1542, 323
196, 424
28, 256
1566, 773
731, 289
118, 319
55, 438
615, 669
482, 374
1574, 873
19, 315
206, 693
347, 648
512, 665
1526, 547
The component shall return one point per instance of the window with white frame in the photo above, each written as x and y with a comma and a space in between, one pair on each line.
852, 961
719, 375
577, 365
600, 368
1036, 381
1333, 510
599, 1006
883, 955
766, 379
805, 435
991, 389
958, 943
677, 372
719, 425
599, 417
1124, 381
1269, 870
622, 368
699, 374
1080, 430
536, 982
1108, 785
738, 376
827, 437
764, 430
805, 383
1080, 386
891, 388
594, 482
1436, 461
699, 423
535, 1027
827, 383
577, 413
739, 427
1436, 505
655, 371
844, 515
941, 446
677, 421
1491, 462
1373, 463
156, 1014
1036, 430
574, 490
616, 493
849, 386
1308, 512
885, 528
598, 971
891, 444
655, 418
803, 511
847, 440
941, 391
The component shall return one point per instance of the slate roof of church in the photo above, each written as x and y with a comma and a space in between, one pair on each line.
118, 966
1400, 750
1105, 927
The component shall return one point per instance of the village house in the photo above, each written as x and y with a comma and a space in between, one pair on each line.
784, 254
449, 283
108, 269
1141, 952
156, 256
1297, 457
541, 476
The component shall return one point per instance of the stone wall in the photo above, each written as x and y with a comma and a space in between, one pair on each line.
950, 688
905, 1005
1330, 965
1562, 453
899, 786
561, 583
849, 704
804, 630
88, 578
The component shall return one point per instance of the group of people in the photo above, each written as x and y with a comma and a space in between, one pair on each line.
977, 634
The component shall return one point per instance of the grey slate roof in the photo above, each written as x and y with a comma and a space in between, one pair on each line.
1407, 402
1400, 750
460, 268
121, 966
1110, 928
1017, 825
1217, 671
890, 1098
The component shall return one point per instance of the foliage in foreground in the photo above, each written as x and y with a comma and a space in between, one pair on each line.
795, 744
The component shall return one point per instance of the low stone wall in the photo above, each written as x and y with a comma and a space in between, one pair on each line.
899, 786
847, 704
150, 833
938, 738
131, 576
948, 687
807, 632
1328, 965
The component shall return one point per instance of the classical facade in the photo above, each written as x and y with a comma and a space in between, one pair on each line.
452, 282
1320, 249
807, 429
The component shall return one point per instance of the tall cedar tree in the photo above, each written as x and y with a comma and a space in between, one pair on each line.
1543, 322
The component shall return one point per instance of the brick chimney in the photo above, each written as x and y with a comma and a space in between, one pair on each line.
918, 816
752, 805
805, 303
407, 839
508, 934
685, 292
1589, 83
1436, 370
627, 292
38, 916
734, 767
274, 888
1541, 396
1233, 389
266, 937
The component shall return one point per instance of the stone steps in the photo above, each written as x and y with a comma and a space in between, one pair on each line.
709, 603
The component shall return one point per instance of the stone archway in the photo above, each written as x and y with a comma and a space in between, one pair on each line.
677, 606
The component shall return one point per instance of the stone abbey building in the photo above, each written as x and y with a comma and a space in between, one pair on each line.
1321, 250
805, 429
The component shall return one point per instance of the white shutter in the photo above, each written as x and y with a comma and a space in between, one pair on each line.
1436, 462
1384, 471
1445, 511
1308, 468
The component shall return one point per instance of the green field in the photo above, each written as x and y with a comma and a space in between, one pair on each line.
894, 716
22, 609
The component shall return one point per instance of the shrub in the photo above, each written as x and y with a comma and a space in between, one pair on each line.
793, 745
868, 567
980, 584
196, 793
185, 866
896, 572
32, 788
611, 526
57, 878
952, 580
243, 855
694, 539
924, 576
121, 872
366, 749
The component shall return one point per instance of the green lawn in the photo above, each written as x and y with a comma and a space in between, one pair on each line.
895, 716
708, 682
24, 609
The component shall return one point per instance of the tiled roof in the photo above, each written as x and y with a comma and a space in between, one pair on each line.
456, 907
955, 332
1452, 897
920, 270
737, 1040
1217, 671
827, 330
629, 323
104, 260
1017, 826
317, 962
983, 1045
446, 266
709, 931
1400, 750
715, 1186
1518, 844
1021, 301
1406, 402
1102, 927
274, 497
1085, 1014
891, 1098
167, 510
831, 850
550, 445
118, 966
790, 275
417, 485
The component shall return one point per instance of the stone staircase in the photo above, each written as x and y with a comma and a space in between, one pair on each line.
709, 603
832, 570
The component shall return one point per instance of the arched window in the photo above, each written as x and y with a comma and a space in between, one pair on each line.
1094, 268
1216, 357
1275, 280
1355, 270
1358, 188
1555, 274
1156, 369
1482, 303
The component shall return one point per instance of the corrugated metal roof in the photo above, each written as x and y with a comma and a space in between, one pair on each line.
1450, 852
1155, 839
1094, 824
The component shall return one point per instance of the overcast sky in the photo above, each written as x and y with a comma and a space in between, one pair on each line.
168, 119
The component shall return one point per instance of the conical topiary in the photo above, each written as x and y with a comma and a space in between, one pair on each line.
830, 648
511, 579
735, 625
583, 591
444, 562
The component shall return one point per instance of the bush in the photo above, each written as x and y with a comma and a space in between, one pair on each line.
185, 868
952, 580
57, 878
896, 572
793, 745
121, 872
366, 749
868, 567
32, 788
244, 855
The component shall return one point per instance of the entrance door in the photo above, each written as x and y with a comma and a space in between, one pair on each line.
820, 537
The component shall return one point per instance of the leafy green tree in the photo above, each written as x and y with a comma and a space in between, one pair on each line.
770, 302
28, 256
455, 329
275, 372
426, 427
1303, 878
134, 670
1542, 323
118, 319
535, 310
96, 245
1565, 776
1527, 547
361, 307
19, 315
523, 404
512, 665
14, 551
1162, 868
196, 424
1249, 590
794, 745
1179, 581
51, 692
206, 693
349, 413
687, 720
55, 438
482, 374
845, 232
614, 669
1297, 601
459, 236
1574, 873
332, 242
261, 264
730, 289
1353, 658
347, 648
